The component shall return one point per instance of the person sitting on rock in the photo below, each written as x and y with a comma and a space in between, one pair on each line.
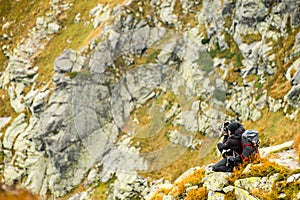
231, 147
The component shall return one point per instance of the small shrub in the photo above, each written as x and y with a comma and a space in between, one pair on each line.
193, 179
235, 175
73, 74
14, 193
266, 168
205, 40
198, 194
230, 195
290, 190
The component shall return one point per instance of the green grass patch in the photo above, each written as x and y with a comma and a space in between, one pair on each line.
102, 190
205, 40
232, 54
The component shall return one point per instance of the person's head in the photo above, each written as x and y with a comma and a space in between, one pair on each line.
232, 127
225, 127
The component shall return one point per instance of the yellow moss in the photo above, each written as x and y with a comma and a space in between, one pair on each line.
193, 179
266, 168
228, 22
5, 108
250, 38
262, 194
157, 197
199, 194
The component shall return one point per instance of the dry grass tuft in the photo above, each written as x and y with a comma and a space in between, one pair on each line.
297, 144
274, 128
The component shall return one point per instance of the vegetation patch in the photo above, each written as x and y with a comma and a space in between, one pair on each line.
228, 22
278, 86
233, 56
189, 17
18, 17
102, 190
5, 108
195, 179
271, 130
265, 168
178, 191
197, 194
205, 155
250, 38
71, 36
297, 144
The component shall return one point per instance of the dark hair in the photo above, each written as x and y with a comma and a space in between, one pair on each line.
233, 126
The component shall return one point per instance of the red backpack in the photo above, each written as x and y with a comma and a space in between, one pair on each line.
250, 144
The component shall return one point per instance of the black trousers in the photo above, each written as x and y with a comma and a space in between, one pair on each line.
222, 166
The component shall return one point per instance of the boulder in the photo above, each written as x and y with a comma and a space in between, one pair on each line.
293, 96
263, 183
53, 27
64, 63
243, 194
250, 12
216, 181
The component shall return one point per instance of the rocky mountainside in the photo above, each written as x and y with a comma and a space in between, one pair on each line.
108, 97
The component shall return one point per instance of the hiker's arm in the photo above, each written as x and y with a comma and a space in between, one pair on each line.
229, 144
225, 138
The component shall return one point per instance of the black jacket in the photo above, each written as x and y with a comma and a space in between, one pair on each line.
233, 142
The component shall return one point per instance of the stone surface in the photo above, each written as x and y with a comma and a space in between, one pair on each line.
243, 194
216, 181
263, 183
64, 63
251, 11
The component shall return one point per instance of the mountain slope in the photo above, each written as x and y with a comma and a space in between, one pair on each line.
100, 92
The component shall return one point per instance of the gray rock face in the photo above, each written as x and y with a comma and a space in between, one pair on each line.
78, 125
64, 63
293, 97
251, 11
